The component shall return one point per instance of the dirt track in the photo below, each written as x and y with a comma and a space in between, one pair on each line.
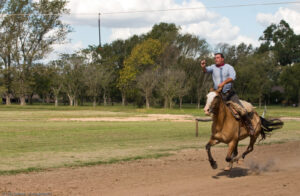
269, 170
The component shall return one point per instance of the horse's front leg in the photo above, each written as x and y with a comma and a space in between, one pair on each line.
236, 158
232, 152
211, 143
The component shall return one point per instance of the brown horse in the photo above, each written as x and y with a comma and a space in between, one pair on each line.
227, 129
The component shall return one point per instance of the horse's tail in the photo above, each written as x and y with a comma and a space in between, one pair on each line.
269, 125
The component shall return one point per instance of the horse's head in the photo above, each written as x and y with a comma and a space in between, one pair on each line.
212, 102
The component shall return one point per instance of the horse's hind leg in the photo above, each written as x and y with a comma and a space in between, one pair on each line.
212, 162
250, 146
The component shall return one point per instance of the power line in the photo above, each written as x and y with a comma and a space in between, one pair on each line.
209, 7
171, 9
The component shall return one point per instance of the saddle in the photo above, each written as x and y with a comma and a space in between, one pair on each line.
244, 114
238, 111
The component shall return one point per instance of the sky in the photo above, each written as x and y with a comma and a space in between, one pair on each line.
232, 25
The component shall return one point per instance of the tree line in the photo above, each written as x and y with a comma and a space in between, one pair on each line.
158, 68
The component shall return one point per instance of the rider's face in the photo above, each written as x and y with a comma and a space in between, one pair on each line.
218, 59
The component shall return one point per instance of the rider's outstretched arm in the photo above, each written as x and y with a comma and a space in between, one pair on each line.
228, 80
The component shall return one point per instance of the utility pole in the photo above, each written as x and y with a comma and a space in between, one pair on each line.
99, 29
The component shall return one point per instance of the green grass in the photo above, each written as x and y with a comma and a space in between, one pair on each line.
30, 142
190, 109
43, 144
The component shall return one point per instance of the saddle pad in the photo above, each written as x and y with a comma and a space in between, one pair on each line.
248, 108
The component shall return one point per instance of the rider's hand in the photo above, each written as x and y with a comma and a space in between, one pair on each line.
203, 63
221, 85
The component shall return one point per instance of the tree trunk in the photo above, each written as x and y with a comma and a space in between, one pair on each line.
30, 99
104, 99
22, 100
299, 97
147, 103
166, 102
123, 99
81, 100
56, 101
198, 102
110, 101
94, 101
170, 102
47, 99
180, 102
259, 100
70, 100
75, 102
7, 97
147, 100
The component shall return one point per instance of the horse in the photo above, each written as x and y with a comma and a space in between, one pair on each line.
229, 130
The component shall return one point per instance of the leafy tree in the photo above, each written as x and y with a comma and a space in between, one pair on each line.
191, 46
93, 75
282, 40
42, 81
255, 76
35, 27
228, 51
233, 54
2, 85
166, 33
144, 56
290, 80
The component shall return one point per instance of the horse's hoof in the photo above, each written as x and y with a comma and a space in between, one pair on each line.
214, 165
228, 159
229, 166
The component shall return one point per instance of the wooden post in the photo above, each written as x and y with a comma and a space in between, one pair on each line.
201, 120
196, 127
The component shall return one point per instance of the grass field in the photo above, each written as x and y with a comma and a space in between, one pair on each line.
30, 142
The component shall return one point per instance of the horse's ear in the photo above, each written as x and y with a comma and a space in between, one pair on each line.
211, 89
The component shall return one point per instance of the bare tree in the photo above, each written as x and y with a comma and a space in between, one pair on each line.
146, 82
183, 86
169, 84
106, 78
92, 78
55, 71
72, 76
203, 85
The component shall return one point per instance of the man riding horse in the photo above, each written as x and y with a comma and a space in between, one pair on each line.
223, 76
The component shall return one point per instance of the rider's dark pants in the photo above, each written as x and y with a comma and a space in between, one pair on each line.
231, 96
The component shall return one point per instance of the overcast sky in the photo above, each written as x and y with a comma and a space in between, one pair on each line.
227, 25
